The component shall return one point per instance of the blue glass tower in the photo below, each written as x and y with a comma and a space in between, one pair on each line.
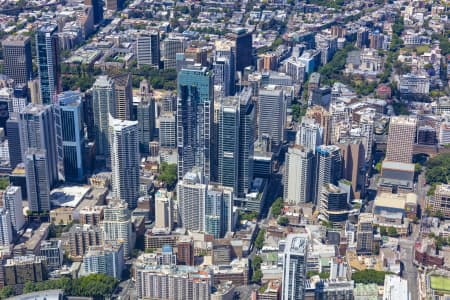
194, 119
47, 50
71, 112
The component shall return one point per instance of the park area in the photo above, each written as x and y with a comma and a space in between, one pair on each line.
440, 283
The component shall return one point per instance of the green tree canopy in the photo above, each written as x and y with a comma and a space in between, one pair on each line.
168, 174
277, 206
259, 241
369, 276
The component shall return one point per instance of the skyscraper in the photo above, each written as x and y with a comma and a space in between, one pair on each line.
104, 104
323, 118
37, 131
117, 225
295, 258
147, 49
298, 176
38, 181
272, 115
71, 113
191, 193
353, 166
228, 142
125, 160
47, 49
167, 130
328, 168
400, 144
12, 201
97, 6
17, 58
146, 118
194, 119
6, 235
247, 127
226, 49
123, 91
218, 210
222, 75
170, 47
13, 133
244, 49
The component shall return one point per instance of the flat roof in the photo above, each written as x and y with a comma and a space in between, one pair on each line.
398, 166
69, 196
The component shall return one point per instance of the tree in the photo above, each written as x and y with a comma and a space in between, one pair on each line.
324, 275
257, 276
283, 221
259, 241
392, 231
6, 292
168, 174
383, 231
312, 273
277, 206
369, 276
256, 262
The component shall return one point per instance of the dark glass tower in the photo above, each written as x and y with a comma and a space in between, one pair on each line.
47, 49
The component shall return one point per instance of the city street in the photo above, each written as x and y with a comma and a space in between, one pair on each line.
410, 271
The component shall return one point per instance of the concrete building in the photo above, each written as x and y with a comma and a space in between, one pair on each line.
163, 209
310, 134
6, 234
167, 130
107, 259
191, 194
364, 234
400, 144
103, 105
218, 210
272, 115
17, 58
13, 134
38, 131
38, 180
323, 118
12, 201
117, 226
295, 258
54, 252
334, 206
328, 168
148, 50
298, 179
411, 84
170, 47
441, 201
353, 166
125, 160
81, 237
145, 111
395, 288
23, 269
123, 91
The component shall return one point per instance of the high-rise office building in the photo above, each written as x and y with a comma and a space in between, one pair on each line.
123, 91
400, 144
194, 120
13, 133
298, 176
97, 6
146, 118
71, 114
226, 49
38, 180
147, 49
228, 142
247, 127
272, 115
167, 130
170, 47
218, 210
117, 225
163, 209
328, 168
17, 58
310, 134
353, 165
191, 195
6, 234
47, 49
244, 49
222, 75
12, 201
38, 131
104, 104
333, 205
367, 128
295, 259
125, 161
